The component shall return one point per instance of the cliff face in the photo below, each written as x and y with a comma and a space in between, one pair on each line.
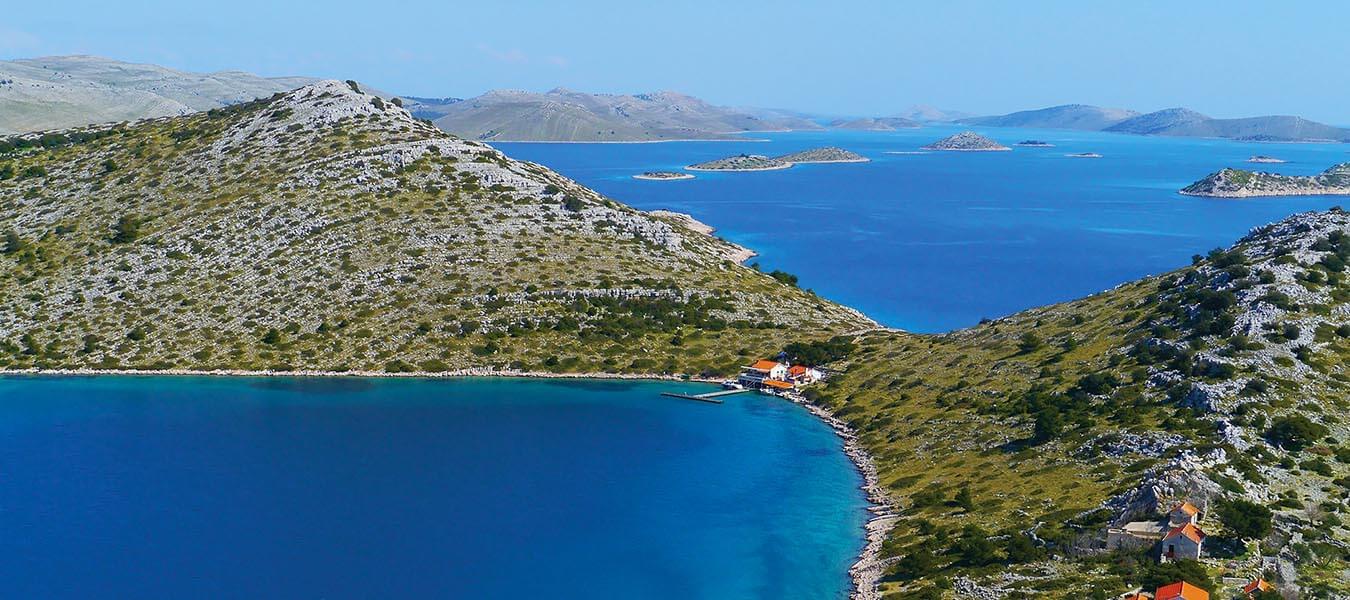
1239, 183
325, 228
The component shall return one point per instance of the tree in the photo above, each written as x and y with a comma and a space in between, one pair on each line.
272, 337
974, 549
1295, 432
13, 243
1157, 575
1247, 520
1049, 424
1020, 549
964, 499
917, 564
1029, 343
127, 230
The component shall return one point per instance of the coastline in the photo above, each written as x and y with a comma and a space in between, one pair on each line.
865, 572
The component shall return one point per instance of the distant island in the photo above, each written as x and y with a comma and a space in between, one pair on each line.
876, 124
1178, 122
967, 141
562, 115
756, 162
662, 176
1259, 158
1069, 116
1084, 155
1239, 183
1035, 144
823, 155
741, 162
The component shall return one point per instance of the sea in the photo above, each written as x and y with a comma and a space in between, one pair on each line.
238, 487
936, 241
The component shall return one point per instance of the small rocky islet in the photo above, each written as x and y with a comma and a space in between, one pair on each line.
1241, 183
758, 162
967, 141
1035, 144
662, 176
1261, 158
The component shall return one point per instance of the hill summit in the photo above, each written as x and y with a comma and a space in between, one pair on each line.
326, 228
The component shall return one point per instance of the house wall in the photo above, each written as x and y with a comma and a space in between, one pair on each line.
1185, 548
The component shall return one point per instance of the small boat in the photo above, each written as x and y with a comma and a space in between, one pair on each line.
732, 385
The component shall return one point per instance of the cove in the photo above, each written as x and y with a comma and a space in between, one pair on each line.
122, 486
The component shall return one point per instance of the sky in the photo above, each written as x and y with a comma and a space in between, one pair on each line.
840, 57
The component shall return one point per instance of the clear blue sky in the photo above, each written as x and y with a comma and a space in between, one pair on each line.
1225, 58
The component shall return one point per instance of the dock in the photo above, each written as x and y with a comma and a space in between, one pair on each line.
713, 397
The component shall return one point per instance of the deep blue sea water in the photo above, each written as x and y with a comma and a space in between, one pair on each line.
933, 242
161, 487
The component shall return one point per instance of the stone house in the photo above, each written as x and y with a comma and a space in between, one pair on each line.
1181, 543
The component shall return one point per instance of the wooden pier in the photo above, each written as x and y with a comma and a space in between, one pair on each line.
713, 397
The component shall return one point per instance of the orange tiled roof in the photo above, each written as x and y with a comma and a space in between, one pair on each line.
1186, 507
1138, 596
782, 385
1182, 590
764, 365
1188, 530
797, 370
1259, 584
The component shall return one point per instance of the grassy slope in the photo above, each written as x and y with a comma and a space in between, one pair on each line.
326, 230
946, 412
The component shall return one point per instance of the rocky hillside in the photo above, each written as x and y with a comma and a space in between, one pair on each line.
1068, 116
326, 228
1008, 448
1239, 183
69, 91
563, 115
967, 141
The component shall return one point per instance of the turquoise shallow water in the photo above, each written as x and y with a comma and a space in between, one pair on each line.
356, 488
937, 241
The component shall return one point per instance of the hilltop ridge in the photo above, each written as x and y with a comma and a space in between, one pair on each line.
325, 228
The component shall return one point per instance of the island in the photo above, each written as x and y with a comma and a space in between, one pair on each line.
1260, 158
1084, 155
828, 154
967, 141
741, 162
1035, 144
875, 124
1239, 183
662, 176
